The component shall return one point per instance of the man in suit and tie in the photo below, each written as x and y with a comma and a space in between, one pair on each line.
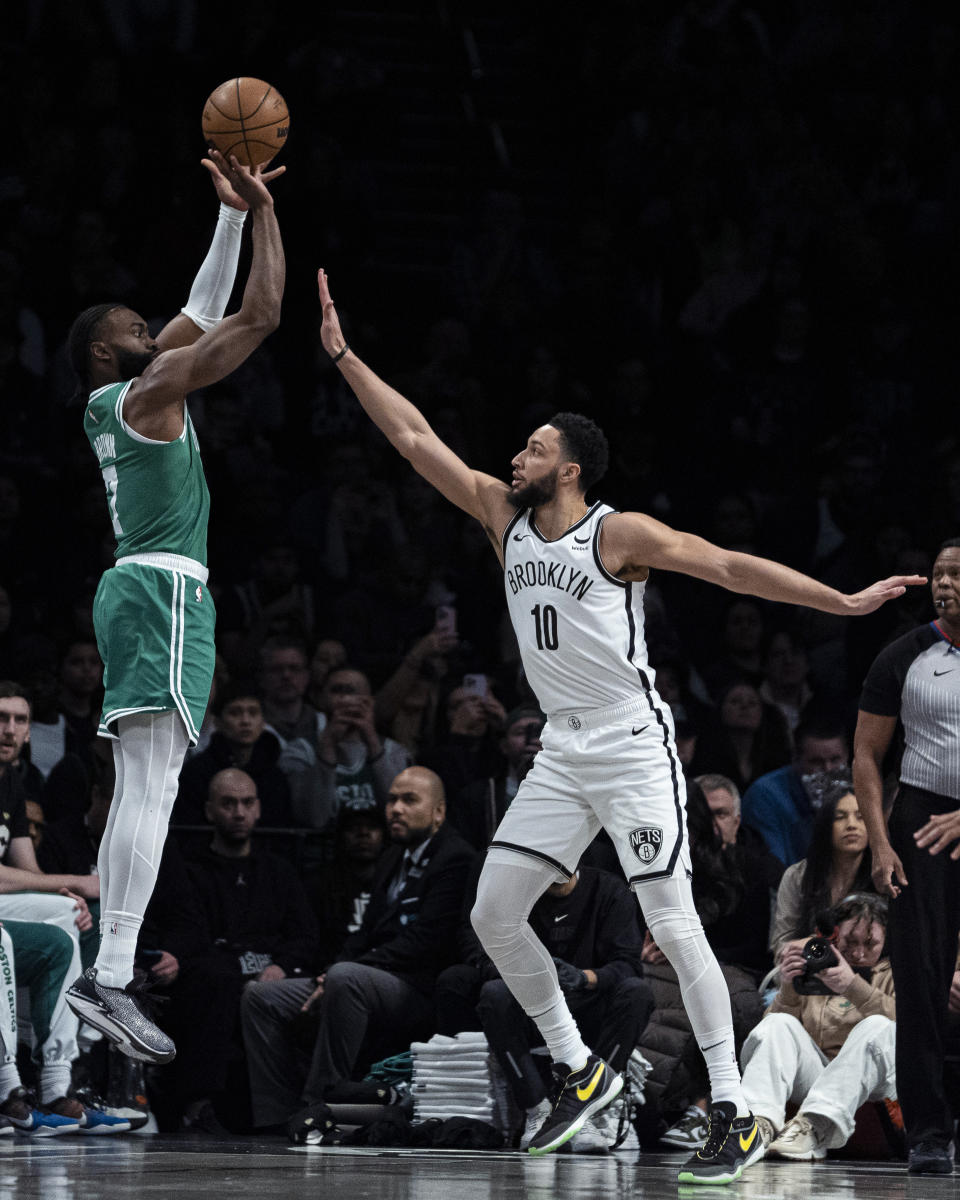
378, 996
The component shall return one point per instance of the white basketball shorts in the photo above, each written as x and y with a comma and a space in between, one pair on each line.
617, 769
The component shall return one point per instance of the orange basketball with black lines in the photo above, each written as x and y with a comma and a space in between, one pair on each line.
248, 118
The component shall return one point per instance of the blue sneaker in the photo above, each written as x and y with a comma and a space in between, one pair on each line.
25, 1114
96, 1120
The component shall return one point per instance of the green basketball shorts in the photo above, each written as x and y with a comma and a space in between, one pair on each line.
155, 619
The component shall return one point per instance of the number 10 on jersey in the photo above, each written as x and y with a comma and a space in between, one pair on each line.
545, 619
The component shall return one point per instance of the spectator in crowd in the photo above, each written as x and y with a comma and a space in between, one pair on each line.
469, 748
256, 924
328, 655
275, 601
785, 683
340, 890
590, 926
477, 809
778, 805
380, 988
354, 765
738, 937
15, 730
744, 739
407, 702
242, 740
37, 663
741, 640
827, 1052
283, 676
81, 690
838, 863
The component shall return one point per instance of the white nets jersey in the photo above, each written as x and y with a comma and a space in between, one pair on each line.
579, 628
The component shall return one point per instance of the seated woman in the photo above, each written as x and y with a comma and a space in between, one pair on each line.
837, 863
829, 1052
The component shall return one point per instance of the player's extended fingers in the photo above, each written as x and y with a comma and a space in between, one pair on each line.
274, 174
324, 288
904, 581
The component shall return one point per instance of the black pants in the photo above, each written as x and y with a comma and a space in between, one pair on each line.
922, 942
610, 1022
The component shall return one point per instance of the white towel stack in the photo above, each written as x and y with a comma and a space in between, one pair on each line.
458, 1077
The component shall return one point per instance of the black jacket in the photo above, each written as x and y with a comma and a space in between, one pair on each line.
256, 906
415, 935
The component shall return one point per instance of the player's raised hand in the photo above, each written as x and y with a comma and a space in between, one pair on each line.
226, 175
330, 333
871, 598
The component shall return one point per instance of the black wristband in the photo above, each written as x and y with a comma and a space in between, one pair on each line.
337, 357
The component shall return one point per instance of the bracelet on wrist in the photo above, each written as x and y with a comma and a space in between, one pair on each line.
336, 357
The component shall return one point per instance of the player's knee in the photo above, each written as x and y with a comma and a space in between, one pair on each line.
490, 919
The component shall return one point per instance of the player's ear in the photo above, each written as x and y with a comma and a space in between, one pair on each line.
570, 472
100, 350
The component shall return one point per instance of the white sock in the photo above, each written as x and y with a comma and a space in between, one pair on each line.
152, 748
675, 926
508, 889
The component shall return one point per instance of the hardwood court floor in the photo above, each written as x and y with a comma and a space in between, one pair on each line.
78, 1168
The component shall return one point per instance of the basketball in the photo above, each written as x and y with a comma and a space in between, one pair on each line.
247, 118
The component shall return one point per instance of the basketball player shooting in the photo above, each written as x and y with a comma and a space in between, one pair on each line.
575, 574
153, 615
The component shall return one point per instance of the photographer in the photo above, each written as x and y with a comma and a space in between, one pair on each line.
827, 1041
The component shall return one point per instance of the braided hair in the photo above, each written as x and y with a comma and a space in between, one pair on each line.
86, 329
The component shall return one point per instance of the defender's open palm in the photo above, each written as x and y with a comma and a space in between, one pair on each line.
871, 598
330, 333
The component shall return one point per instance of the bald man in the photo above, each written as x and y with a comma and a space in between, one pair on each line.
378, 996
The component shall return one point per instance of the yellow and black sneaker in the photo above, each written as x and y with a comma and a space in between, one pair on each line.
582, 1093
732, 1144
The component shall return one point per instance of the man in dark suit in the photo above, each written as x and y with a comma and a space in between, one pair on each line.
378, 996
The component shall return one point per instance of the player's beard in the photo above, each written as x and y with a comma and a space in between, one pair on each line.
131, 363
533, 495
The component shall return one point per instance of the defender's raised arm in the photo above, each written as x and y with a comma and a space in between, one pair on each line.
409, 432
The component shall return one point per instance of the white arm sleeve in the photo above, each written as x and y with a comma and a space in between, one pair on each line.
214, 282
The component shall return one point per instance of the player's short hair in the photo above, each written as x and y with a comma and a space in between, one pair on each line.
87, 328
584, 443
949, 544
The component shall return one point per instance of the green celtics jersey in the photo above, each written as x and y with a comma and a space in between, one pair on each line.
156, 491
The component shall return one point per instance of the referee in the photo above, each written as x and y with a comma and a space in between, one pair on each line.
915, 681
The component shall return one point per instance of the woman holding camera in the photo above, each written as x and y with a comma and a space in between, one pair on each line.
827, 1041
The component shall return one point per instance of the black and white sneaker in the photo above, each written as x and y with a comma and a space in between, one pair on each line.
119, 1014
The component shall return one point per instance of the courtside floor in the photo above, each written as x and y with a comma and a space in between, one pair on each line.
77, 1168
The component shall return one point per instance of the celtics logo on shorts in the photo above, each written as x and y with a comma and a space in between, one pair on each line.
646, 842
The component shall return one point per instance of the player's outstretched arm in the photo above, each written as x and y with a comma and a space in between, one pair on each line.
156, 398
214, 282
409, 432
632, 542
